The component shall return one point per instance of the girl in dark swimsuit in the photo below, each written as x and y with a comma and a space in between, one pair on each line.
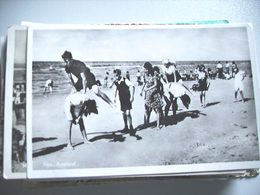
81, 76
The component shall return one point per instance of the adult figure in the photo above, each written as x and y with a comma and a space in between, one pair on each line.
171, 76
153, 99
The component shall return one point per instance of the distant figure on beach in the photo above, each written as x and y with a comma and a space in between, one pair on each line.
219, 70
239, 86
233, 69
139, 78
77, 104
81, 76
126, 98
51, 68
127, 75
227, 68
106, 79
48, 86
153, 98
203, 84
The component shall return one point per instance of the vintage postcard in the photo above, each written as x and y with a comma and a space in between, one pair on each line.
15, 162
2, 80
141, 100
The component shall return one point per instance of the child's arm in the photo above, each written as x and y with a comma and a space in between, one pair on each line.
133, 93
112, 85
142, 89
115, 95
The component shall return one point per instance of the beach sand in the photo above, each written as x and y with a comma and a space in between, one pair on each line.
224, 131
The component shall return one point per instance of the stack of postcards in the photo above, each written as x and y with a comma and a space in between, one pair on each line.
129, 101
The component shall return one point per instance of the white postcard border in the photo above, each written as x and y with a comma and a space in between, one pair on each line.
132, 171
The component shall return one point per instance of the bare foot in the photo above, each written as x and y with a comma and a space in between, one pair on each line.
69, 147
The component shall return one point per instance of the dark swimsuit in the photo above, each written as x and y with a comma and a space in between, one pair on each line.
76, 68
124, 95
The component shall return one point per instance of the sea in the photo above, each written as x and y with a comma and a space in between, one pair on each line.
42, 71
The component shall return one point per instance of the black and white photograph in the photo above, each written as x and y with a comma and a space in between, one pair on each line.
2, 70
15, 159
129, 100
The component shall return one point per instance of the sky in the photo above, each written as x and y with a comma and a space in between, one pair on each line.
192, 44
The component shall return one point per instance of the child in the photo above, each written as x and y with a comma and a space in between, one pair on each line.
48, 85
203, 84
239, 86
81, 77
122, 86
75, 106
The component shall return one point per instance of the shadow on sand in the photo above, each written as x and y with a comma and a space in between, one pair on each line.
115, 136
111, 136
246, 99
48, 150
173, 120
181, 116
212, 104
40, 139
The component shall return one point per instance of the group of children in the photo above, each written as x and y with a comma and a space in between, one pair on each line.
79, 103
161, 88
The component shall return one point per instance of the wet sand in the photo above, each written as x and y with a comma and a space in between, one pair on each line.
224, 131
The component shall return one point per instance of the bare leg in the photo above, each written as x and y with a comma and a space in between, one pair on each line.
147, 114
69, 145
161, 117
83, 131
167, 107
201, 98
44, 90
125, 121
157, 118
236, 95
174, 106
204, 98
104, 97
242, 95
129, 119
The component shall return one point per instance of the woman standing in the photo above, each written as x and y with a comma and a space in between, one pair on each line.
203, 84
153, 100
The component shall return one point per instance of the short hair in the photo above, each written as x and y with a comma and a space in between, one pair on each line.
202, 67
148, 66
117, 71
67, 55
156, 68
